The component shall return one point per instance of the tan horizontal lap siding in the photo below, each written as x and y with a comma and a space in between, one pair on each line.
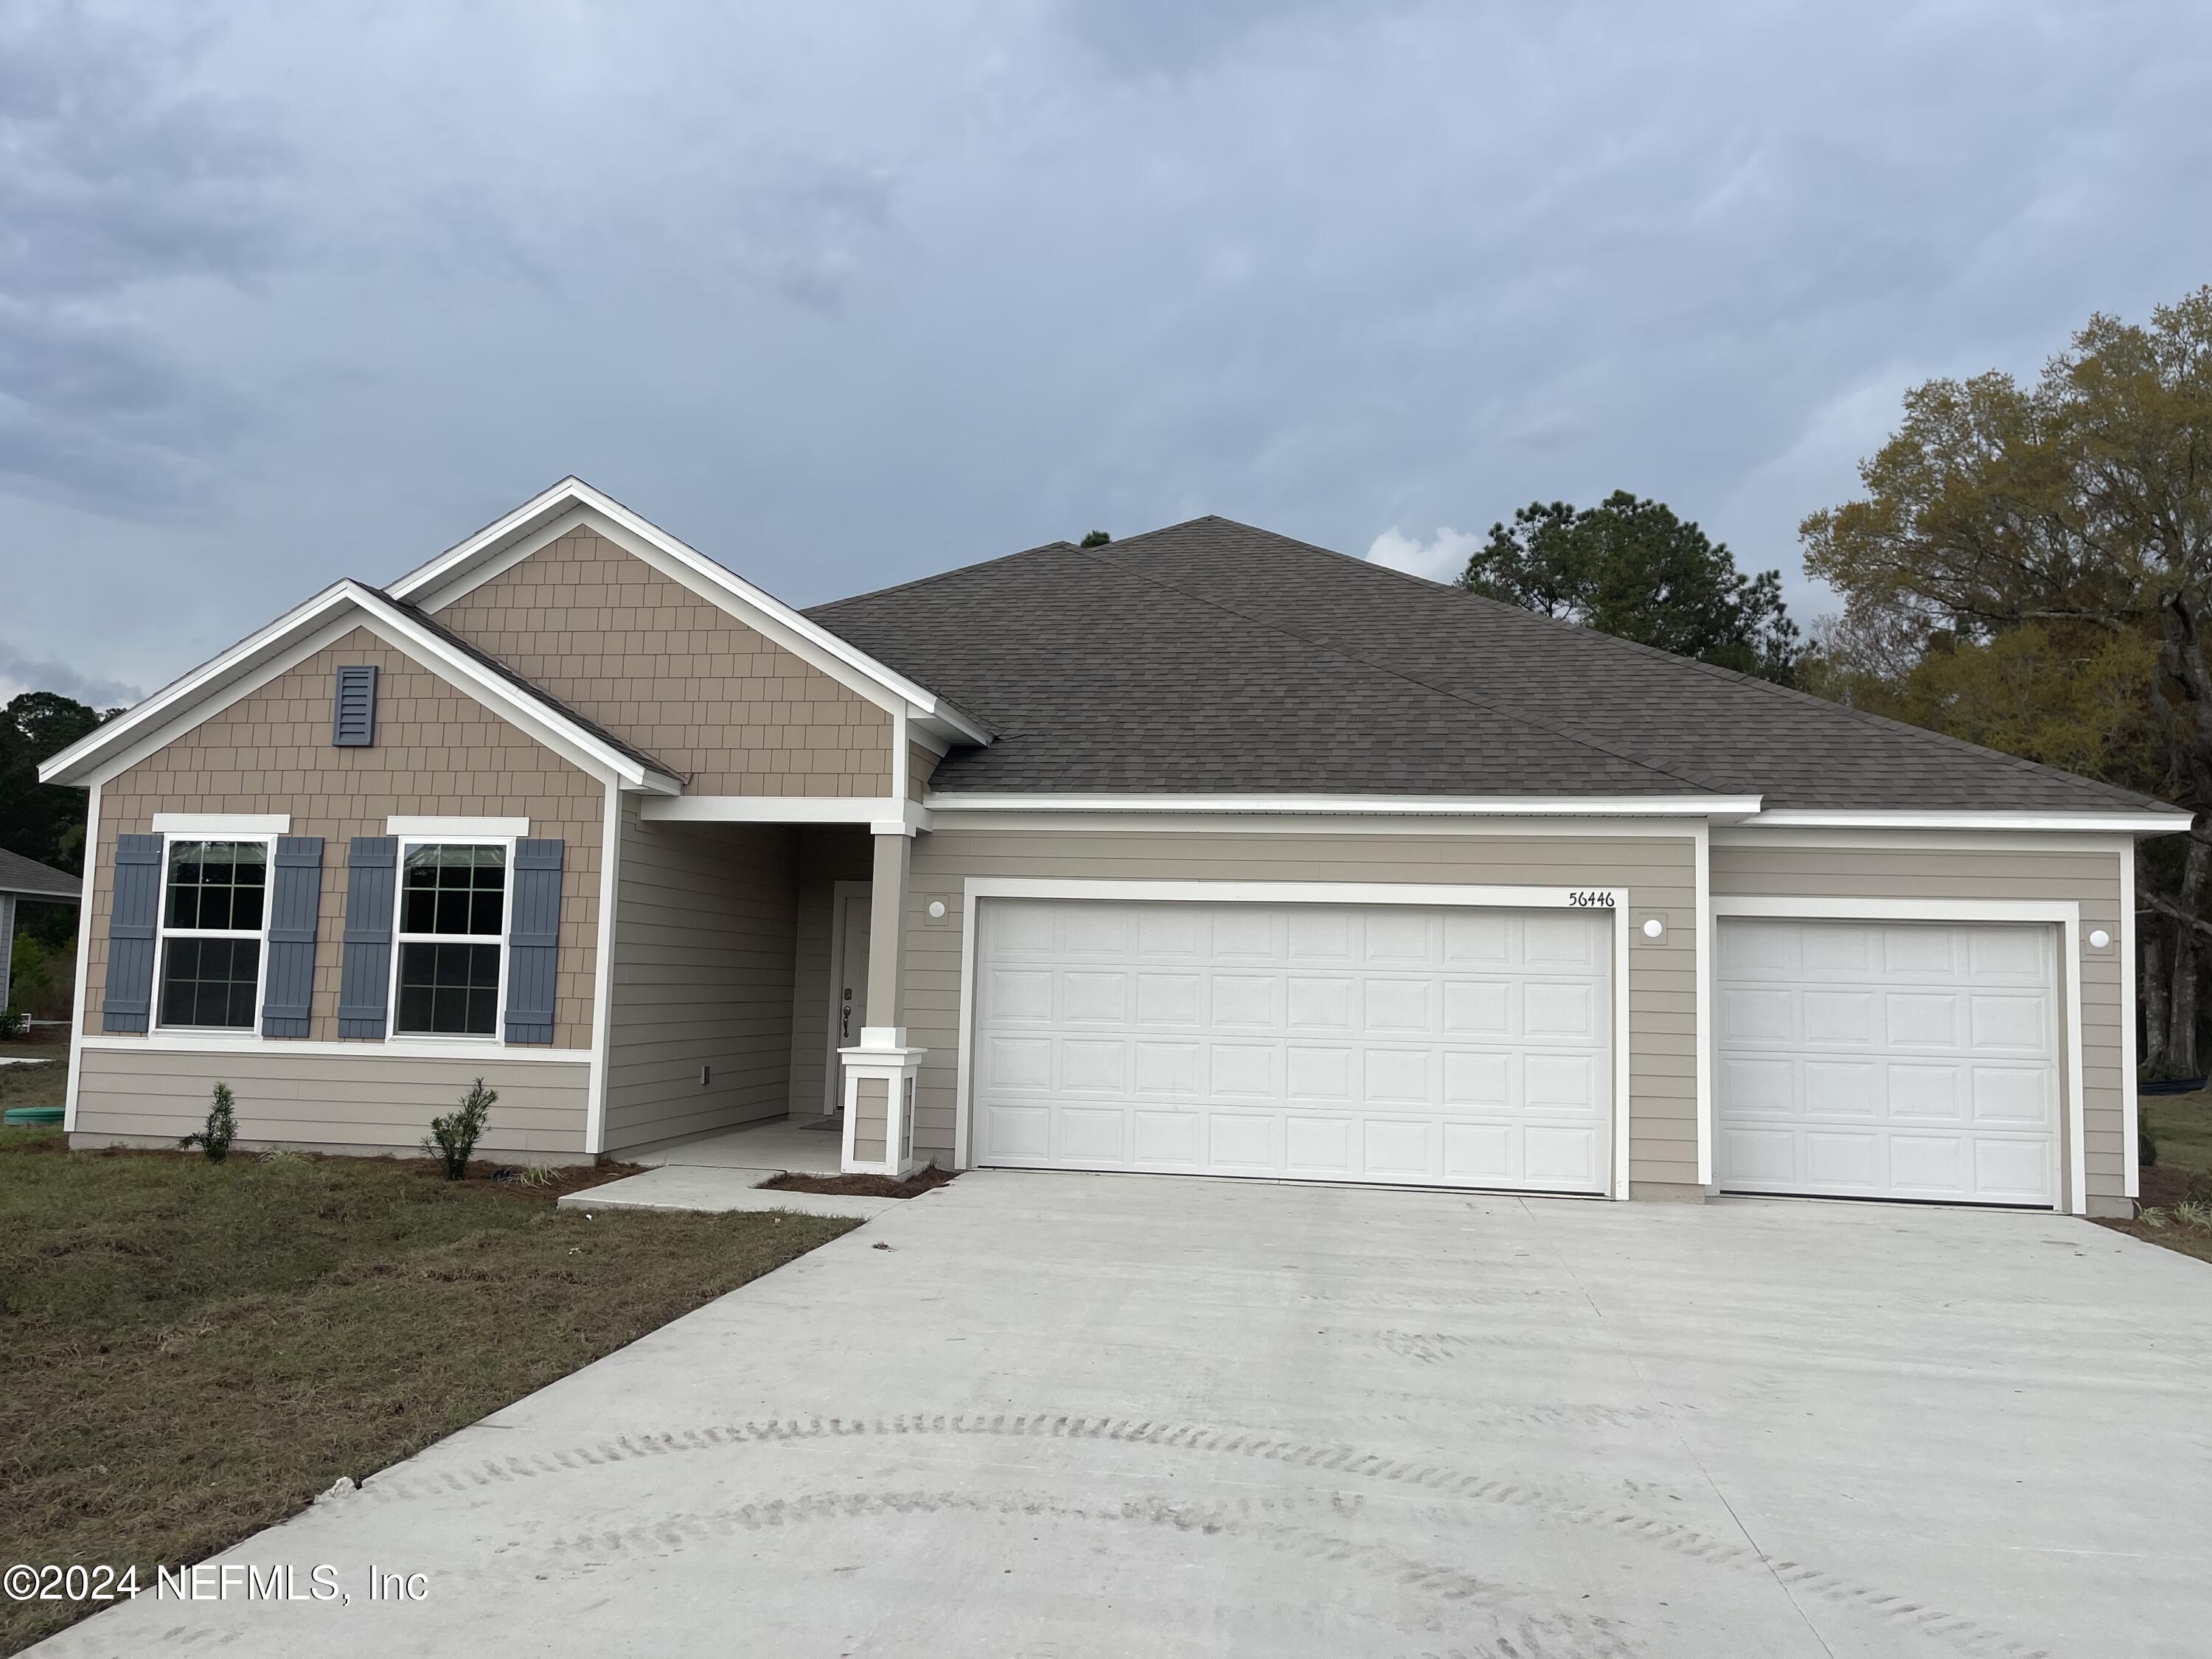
702, 977
438, 753
2090, 879
365, 1102
676, 675
1658, 873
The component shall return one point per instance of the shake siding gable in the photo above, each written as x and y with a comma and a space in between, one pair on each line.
675, 674
438, 753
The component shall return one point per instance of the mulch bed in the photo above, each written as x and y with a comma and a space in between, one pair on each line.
863, 1186
505, 1179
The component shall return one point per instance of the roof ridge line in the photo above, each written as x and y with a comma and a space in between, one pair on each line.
1565, 735
936, 576
1714, 671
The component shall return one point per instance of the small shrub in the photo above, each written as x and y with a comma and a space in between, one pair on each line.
2199, 1189
2146, 1150
539, 1175
2194, 1214
12, 1022
215, 1135
452, 1138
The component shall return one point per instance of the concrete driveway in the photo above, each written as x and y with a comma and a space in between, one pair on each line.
1064, 1415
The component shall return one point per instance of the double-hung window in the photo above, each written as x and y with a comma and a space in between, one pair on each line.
450, 972
214, 910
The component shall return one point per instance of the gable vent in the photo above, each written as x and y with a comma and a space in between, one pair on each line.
353, 719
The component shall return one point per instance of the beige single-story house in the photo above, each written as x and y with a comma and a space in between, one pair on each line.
1204, 852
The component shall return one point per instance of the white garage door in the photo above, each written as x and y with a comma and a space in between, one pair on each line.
1888, 1060
1425, 1046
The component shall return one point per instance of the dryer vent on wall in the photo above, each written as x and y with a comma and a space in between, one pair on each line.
353, 716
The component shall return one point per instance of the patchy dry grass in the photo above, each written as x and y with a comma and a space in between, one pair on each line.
37, 1084
2181, 1125
191, 1351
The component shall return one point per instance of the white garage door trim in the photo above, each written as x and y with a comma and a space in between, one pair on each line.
2066, 914
979, 887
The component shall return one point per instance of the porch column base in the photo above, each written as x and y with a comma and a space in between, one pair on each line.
878, 1095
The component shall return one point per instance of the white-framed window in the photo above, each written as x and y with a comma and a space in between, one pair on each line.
449, 945
214, 923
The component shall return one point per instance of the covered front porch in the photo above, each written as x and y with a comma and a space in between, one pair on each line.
754, 1012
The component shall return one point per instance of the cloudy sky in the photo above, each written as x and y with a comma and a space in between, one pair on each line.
845, 293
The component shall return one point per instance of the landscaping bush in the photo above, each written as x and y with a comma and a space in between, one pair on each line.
2146, 1150
452, 1138
215, 1136
12, 1021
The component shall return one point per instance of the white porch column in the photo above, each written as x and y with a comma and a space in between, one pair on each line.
7, 943
880, 1070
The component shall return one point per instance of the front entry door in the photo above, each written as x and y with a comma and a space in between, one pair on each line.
848, 986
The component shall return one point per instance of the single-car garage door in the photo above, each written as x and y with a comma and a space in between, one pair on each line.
1882, 1059
1439, 1046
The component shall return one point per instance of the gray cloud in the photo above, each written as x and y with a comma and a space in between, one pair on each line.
21, 673
844, 293
119, 179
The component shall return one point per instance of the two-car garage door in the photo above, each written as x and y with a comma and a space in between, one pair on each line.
1889, 1060
1421, 1045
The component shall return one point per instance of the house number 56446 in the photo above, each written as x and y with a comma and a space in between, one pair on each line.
1591, 901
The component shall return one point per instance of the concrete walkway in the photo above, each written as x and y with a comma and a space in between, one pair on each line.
1065, 1415
721, 1172
720, 1190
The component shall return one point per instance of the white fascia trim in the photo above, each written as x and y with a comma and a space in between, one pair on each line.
887, 815
296, 636
1704, 1020
2130, 1104
1729, 807
2122, 823
944, 819
494, 828
74, 764
222, 824
602, 978
1950, 841
445, 576
83, 962
2064, 914
1302, 892
456, 1049
1902, 910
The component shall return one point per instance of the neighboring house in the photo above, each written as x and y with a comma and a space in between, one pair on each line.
1205, 851
27, 879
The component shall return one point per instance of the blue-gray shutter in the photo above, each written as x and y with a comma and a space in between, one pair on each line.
128, 1003
353, 707
295, 898
533, 940
365, 974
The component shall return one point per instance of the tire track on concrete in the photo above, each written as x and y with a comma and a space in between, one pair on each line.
1323, 1457
1268, 1522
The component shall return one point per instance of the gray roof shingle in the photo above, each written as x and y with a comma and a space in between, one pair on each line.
1211, 657
28, 878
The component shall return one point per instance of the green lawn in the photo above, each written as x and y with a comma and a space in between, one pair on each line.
2181, 1125
190, 1351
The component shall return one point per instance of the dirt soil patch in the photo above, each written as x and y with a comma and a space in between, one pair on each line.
2164, 1186
190, 1351
863, 1186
